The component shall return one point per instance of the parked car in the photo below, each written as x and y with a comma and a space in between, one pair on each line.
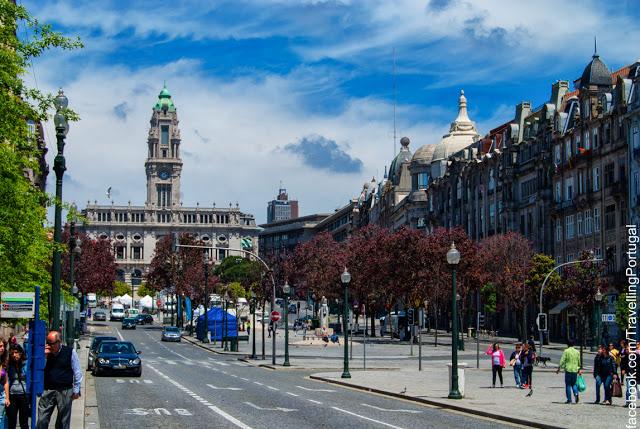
144, 319
171, 333
93, 349
117, 356
117, 312
128, 323
100, 315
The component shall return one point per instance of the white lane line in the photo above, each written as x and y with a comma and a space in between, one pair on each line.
148, 381
170, 362
292, 394
119, 334
238, 363
233, 375
245, 379
387, 409
257, 407
213, 408
224, 388
314, 390
272, 388
314, 401
367, 418
258, 383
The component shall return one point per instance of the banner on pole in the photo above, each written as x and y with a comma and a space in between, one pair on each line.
17, 305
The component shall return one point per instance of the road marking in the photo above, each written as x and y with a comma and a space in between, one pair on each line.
367, 418
158, 411
272, 388
119, 334
238, 363
258, 383
292, 394
133, 381
386, 409
224, 388
148, 381
188, 362
213, 408
285, 410
314, 401
170, 362
314, 390
245, 379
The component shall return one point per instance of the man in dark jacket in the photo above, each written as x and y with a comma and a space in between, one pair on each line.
62, 379
603, 370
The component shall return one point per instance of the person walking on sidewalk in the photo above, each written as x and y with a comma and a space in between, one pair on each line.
603, 371
4, 382
497, 362
570, 362
515, 360
62, 380
20, 399
249, 328
615, 355
528, 359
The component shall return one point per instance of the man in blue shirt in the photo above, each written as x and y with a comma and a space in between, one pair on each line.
62, 380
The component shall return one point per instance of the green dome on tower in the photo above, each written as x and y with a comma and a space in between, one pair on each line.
164, 101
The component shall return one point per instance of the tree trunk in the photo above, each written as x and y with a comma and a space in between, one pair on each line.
581, 337
373, 324
524, 323
435, 309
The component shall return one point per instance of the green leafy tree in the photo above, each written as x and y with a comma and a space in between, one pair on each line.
121, 288
622, 312
25, 250
144, 290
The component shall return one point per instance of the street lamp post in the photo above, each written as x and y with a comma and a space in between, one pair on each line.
453, 259
59, 166
225, 328
287, 291
598, 315
207, 263
345, 277
253, 311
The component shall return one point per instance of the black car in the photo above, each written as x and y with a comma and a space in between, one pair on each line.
129, 323
117, 356
144, 319
171, 333
100, 315
93, 349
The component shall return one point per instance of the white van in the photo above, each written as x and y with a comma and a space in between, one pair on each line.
131, 312
117, 312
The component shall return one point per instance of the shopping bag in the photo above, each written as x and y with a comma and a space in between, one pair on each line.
616, 389
581, 384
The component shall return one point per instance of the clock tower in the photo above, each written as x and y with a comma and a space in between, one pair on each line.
163, 164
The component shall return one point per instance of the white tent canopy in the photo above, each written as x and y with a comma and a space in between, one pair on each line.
125, 299
116, 300
146, 302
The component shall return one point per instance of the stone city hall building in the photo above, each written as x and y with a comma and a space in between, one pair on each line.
557, 173
135, 230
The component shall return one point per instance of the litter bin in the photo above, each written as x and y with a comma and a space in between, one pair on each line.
234, 344
461, 367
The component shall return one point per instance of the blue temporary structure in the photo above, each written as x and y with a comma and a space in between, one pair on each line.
216, 323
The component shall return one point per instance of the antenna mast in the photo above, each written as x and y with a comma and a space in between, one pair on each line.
394, 101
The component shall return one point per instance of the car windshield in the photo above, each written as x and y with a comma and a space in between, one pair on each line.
129, 319
98, 340
99, 312
116, 347
172, 330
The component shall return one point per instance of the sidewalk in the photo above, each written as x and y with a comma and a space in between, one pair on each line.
544, 409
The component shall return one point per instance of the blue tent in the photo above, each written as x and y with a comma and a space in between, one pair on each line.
215, 316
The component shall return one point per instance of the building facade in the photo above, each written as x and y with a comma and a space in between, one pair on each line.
284, 235
282, 208
135, 230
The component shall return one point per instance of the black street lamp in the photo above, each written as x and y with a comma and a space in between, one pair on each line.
225, 328
345, 277
453, 259
252, 294
207, 263
74, 250
59, 166
598, 298
287, 292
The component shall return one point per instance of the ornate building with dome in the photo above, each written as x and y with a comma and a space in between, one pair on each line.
135, 230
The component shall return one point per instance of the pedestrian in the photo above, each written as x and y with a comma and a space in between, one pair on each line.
62, 379
603, 372
528, 360
515, 360
570, 362
497, 363
4, 381
615, 355
12, 339
249, 328
270, 328
532, 343
325, 335
20, 401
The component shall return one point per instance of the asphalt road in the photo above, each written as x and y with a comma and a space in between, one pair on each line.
183, 385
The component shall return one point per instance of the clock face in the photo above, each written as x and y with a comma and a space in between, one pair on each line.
164, 174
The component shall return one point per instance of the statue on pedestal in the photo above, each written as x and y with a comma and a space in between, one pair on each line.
324, 313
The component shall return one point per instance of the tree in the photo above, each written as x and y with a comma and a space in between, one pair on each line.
25, 251
144, 290
622, 313
318, 263
120, 288
507, 258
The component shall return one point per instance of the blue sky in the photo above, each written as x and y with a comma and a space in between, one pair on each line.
302, 91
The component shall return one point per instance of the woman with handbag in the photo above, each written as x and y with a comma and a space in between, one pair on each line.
515, 360
497, 362
603, 371
18, 391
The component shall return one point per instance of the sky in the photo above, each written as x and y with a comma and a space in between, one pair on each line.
301, 92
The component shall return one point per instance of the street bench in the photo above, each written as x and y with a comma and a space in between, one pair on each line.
244, 338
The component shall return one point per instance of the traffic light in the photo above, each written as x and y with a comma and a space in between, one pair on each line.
480, 320
410, 319
175, 240
541, 321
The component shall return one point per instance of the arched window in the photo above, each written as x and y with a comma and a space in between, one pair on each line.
423, 180
492, 180
120, 275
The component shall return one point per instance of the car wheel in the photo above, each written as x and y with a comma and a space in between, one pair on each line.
138, 373
95, 372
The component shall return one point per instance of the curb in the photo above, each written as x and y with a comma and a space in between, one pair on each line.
197, 343
515, 420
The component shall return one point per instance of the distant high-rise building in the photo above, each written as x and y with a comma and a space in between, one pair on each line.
282, 208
